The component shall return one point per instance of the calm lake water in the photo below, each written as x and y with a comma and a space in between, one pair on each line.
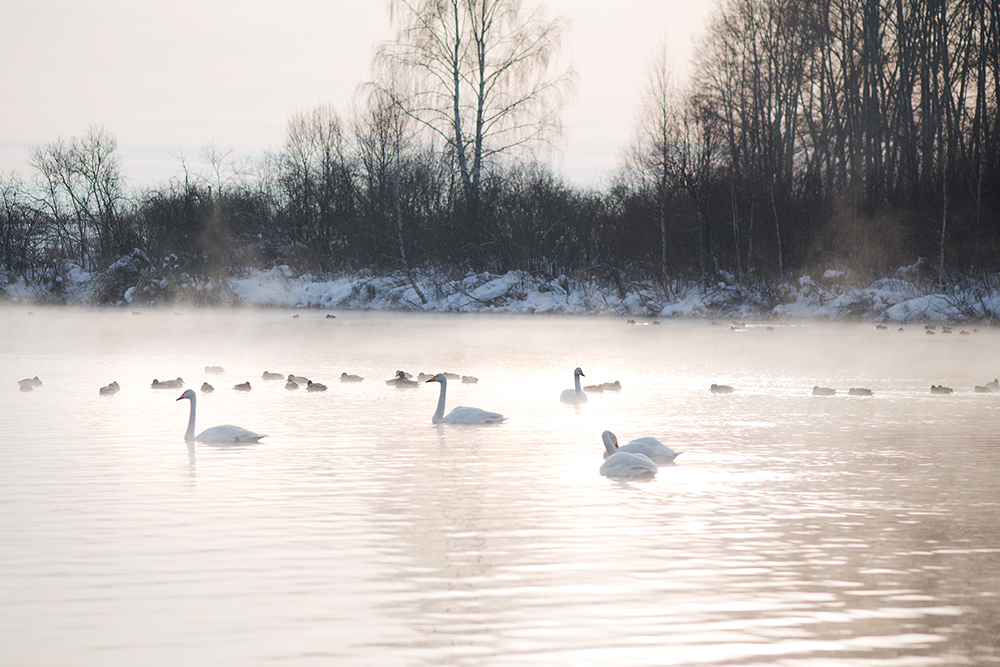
794, 530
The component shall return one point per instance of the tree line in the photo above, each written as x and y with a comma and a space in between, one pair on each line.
852, 134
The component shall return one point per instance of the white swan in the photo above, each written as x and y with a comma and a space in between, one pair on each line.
576, 394
216, 434
650, 447
461, 414
628, 464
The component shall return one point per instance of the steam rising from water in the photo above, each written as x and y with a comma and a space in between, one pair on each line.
793, 530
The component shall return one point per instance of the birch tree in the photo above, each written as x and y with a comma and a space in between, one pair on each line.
479, 75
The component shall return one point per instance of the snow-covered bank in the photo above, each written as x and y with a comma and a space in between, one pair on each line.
130, 282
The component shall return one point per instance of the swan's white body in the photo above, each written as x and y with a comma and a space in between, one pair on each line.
575, 395
628, 464
216, 434
461, 414
650, 447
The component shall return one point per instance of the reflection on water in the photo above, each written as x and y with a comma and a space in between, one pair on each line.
794, 530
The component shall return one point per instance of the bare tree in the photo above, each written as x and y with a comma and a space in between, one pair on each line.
83, 188
696, 167
478, 74
19, 229
383, 139
316, 179
654, 154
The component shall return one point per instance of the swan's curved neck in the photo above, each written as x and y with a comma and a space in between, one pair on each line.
576, 381
608, 444
189, 436
439, 413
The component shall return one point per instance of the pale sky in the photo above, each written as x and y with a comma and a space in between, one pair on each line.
168, 78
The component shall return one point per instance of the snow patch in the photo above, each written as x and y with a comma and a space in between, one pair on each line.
895, 298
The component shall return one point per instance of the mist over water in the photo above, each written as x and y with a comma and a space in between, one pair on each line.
793, 530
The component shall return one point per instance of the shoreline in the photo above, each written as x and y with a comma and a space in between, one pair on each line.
886, 300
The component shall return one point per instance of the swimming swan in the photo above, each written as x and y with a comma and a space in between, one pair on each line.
648, 446
576, 394
216, 434
461, 414
628, 464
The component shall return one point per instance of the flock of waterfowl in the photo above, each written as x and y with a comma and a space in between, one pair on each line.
817, 390
639, 458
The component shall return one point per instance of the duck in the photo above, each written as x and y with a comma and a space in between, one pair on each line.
315, 386
941, 389
346, 377
470, 379
245, 386
271, 376
30, 382
298, 379
167, 384
721, 389
214, 370
216, 434
400, 375
611, 386
291, 385
461, 414
859, 391
593, 389
206, 388
628, 464
823, 391
109, 389
401, 381
576, 394
648, 446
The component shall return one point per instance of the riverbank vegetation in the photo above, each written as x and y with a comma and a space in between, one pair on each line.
814, 136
